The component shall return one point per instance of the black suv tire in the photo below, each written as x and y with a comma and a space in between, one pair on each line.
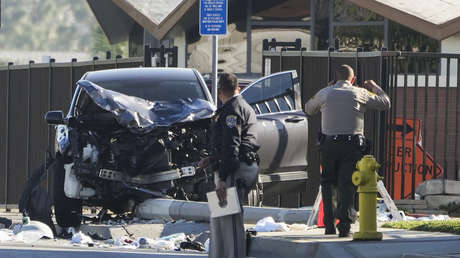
67, 210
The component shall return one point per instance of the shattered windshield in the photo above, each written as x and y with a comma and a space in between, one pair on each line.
154, 90
142, 115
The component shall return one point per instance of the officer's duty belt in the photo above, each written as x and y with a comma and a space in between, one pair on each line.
343, 137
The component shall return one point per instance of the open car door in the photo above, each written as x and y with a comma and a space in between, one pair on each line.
282, 126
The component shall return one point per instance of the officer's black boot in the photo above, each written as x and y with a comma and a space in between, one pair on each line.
330, 230
344, 229
328, 208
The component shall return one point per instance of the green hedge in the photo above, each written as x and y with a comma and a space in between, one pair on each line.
447, 226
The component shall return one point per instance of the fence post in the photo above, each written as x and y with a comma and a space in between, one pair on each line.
72, 77
298, 44
281, 58
329, 72
8, 84
147, 56
457, 124
446, 128
383, 115
50, 106
358, 71
272, 44
175, 57
162, 56
29, 86
414, 138
95, 58
300, 75
265, 45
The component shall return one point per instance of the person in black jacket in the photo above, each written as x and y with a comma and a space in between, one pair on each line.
234, 153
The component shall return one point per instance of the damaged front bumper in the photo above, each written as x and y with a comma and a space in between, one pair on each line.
147, 179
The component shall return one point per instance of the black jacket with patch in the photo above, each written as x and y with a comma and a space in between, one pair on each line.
234, 134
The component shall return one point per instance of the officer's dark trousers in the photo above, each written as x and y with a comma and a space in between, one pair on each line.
227, 232
338, 160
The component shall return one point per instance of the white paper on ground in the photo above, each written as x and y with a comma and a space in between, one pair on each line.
32, 232
386, 216
300, 227
268, 224
169, 242
232, 207
29, 236
127, 243
6, 235
81, 238
163, 244
145, 241
178, 237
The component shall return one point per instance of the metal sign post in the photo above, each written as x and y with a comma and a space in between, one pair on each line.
213, 22
215, 53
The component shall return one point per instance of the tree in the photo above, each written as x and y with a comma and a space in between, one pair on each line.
368, 37
58, 25
101, 45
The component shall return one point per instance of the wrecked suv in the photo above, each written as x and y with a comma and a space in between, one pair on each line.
138, 133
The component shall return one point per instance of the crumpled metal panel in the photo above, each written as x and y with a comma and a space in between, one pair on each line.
141, 115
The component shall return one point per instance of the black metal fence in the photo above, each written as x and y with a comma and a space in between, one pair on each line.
423, 134
418, 139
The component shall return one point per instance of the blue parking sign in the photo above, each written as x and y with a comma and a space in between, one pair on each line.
213, 17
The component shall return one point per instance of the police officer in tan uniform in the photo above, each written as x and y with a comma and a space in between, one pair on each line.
342, 141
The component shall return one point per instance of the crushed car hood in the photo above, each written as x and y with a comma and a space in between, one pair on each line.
141, 115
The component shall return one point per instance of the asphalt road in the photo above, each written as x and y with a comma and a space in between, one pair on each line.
16, 252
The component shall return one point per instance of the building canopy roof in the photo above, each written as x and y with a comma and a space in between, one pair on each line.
438, 19
116, 17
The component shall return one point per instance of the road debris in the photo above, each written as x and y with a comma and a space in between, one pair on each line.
192, 245
80, 238
5, 222
383, 215
6, 235
268, 224
431, 217
32, 232
126, 243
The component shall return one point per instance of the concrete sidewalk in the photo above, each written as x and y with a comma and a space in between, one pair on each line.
295, 243
395, 243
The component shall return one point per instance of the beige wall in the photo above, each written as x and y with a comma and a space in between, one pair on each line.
178, 34
450, 45
232, 49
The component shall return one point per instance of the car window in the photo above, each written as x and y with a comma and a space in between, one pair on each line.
273, 94
254, 93
263, 108
277, 85
273, 106
283, 104
156, 90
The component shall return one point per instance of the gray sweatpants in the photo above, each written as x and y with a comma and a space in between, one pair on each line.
228, 239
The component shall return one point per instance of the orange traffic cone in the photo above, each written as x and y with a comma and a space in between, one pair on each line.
320, 223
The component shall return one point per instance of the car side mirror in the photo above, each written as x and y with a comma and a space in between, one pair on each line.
55, 117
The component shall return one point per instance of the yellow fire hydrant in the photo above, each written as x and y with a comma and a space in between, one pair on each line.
366, 179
